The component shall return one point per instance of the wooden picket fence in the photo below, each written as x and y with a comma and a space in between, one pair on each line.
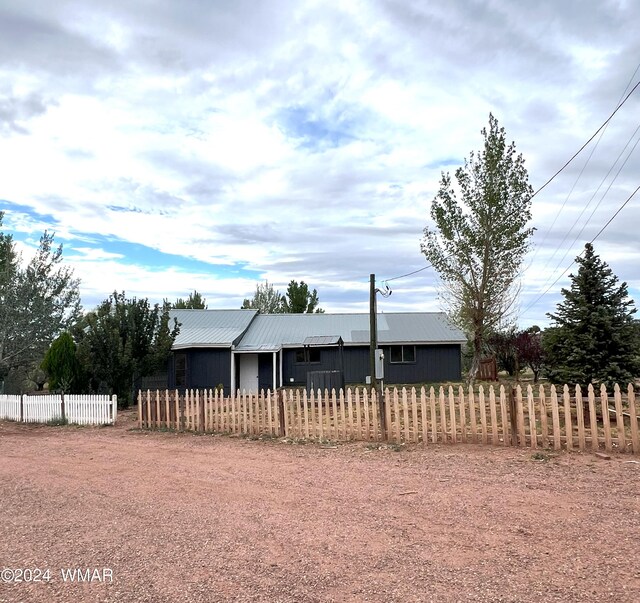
80, 409
538, 418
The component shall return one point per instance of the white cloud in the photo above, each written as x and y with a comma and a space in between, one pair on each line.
305, 142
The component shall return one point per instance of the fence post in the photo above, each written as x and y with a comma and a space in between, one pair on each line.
22, 408
182, 403
513, 416
382, 403
62, 409
114, 402
280, 397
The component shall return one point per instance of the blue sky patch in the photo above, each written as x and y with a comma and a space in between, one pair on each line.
17, 208
299, 123
444, 163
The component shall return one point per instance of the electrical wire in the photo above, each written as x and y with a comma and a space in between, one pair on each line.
534, 302
604, 125
395, 278
566, 253
588, 141
602, 128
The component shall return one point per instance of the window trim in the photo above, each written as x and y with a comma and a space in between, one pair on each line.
306, 353
182, 371
402, 354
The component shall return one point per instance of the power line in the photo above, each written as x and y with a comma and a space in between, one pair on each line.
604, 124
395, 278
615, 214
564, 203
602, 130
533, 303
566, 253
588, 141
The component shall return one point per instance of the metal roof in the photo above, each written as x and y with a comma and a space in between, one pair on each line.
211, 328
323, 340
271, 332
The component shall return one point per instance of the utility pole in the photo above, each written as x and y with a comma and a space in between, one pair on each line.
373, 332
373, 345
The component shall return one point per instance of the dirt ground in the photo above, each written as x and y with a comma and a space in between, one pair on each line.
167, 517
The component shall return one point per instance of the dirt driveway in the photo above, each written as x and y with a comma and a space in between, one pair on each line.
164, 517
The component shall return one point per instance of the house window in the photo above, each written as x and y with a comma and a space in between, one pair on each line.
308, 356
402, 354
181, 369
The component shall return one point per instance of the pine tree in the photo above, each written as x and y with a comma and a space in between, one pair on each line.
61, 364
593, 337
299, 300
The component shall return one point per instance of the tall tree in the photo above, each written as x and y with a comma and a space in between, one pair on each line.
298, 299
592, 338
124, 340
195, 301
266, 299
37, 302
9, 266
479, 240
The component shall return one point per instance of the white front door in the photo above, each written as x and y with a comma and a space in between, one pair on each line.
249, 372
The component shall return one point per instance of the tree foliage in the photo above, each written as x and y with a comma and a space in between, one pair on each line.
516, 350
266, 300
123, 340
530, 351
61, 364
195, 301
503, 346
593, 337
38, 302
480, 237
299, 300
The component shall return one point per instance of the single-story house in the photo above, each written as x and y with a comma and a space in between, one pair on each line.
242, 349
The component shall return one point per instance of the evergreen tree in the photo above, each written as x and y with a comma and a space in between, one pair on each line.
300, 300
593, 337
61, 364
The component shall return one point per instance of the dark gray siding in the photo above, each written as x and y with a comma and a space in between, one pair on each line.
265, 371
433, 363
352, 361
206, 368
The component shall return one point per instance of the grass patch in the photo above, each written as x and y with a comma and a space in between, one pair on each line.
540, 456
57, 421
382, 446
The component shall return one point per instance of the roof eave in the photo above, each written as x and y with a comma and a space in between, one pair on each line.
188, 346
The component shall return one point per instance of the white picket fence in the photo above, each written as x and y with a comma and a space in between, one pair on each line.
79, 409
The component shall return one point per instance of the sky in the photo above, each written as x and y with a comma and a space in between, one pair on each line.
216, 144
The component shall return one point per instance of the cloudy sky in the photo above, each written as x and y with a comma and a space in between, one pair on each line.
212, 144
